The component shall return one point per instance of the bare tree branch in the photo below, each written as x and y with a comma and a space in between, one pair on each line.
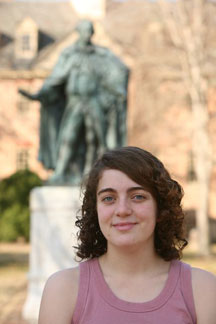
184, 21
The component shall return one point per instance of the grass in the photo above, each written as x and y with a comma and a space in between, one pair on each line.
13, 282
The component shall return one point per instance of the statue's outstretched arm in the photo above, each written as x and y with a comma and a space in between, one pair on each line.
29, 95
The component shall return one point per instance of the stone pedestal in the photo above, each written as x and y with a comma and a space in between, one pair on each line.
53, 235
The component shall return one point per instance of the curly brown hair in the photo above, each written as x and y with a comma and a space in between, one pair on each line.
146, 170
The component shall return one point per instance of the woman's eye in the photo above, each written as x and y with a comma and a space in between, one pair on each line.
138, 197
108, 199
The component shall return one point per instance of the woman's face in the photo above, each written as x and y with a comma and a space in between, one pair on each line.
126, 211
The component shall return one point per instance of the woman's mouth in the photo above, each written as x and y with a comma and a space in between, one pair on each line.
124, 226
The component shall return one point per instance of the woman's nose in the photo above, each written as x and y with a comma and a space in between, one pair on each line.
123, 208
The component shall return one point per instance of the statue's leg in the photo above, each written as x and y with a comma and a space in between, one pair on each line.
98, 120
90, 141
95, 132
68, 142
112, 130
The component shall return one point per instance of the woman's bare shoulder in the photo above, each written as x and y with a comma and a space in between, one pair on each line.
66, 276
59, 297
204, 291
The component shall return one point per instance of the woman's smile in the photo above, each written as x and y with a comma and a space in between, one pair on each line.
124, 226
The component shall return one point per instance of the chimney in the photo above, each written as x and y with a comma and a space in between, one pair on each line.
92, 9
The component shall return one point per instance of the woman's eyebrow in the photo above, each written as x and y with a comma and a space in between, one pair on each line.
113, 190
136, 188
106, 190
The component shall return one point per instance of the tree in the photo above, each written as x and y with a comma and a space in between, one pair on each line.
185, 23
14, 204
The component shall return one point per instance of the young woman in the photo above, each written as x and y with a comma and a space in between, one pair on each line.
131, 238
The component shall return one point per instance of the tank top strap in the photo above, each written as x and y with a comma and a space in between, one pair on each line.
186, 287
84, 276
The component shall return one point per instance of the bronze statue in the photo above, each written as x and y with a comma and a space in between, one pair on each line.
83, 108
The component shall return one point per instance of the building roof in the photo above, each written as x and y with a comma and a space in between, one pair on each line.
54, 20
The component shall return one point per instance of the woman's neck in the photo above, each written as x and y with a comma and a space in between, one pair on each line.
125, 261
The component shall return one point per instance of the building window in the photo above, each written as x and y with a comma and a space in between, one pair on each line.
22, 159
26, 43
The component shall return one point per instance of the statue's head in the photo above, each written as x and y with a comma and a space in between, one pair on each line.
85, 29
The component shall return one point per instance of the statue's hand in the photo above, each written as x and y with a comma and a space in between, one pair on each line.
28, 94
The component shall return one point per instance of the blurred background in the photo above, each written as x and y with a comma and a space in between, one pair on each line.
170, 48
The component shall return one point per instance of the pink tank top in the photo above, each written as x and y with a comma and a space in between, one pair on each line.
96, 303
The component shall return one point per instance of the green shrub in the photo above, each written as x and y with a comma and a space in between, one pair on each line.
14, 204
